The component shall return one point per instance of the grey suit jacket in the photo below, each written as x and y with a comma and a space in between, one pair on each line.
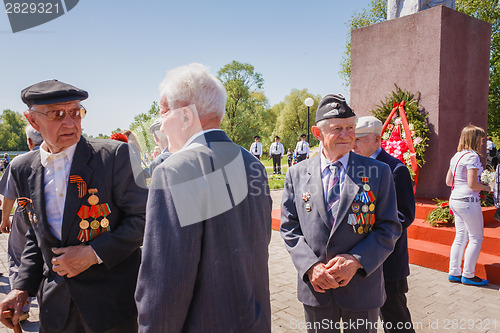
310, 237
104, 293
205, 254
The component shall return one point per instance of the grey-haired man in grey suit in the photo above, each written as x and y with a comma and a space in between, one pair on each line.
208, 225
339, 222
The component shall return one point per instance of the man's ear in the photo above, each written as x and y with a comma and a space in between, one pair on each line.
32, 120
317, 133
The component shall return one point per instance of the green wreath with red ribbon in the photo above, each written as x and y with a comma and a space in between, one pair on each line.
405, 132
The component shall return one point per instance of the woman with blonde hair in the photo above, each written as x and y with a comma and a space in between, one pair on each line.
463, 177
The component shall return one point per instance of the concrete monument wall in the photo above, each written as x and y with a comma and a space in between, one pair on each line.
440, 52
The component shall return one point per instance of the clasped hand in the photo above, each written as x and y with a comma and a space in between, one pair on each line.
338, 272
73, 260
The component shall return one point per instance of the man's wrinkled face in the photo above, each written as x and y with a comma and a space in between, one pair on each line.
366, 145
337, 135
60, 133
172, 124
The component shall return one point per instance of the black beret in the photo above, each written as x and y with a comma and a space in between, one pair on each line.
51, 92
333, 106
303, 136
256, 137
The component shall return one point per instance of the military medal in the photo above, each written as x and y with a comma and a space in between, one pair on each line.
105, 211
361, 230
84, 234
306, 196
93, 199
367, 228
371, 207
308, 207
365, 209
355, 207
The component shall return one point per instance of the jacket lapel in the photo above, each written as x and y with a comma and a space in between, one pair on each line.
348, 194
73, 203
315, 185
37, 194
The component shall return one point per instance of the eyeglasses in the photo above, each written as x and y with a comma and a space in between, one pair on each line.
60, 114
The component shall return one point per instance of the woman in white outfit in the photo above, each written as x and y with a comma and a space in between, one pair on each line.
463, 177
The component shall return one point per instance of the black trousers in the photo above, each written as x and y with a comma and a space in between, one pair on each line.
328, 319
301, 157
394, 312
277, 163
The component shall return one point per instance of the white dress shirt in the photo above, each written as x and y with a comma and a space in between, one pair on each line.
256, 149
302, 148
57, 167
277, 148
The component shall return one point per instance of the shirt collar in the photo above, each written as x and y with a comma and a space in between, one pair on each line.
376, 153
44, 154
324, 163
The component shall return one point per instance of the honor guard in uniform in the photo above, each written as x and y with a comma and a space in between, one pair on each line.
339, 222
86, 216
256, 147
276, 151
302, 149
396, 268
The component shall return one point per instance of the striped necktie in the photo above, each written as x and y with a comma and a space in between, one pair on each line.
332, 199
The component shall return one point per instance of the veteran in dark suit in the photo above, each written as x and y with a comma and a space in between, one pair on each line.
87, 221
396, 269
208, 223
339, 222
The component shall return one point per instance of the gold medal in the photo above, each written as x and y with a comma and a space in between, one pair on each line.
95, 224
366, 187
93, 199
364, 209
308, 207
361, 230
84, 224
371, 207
367, 228
104, 222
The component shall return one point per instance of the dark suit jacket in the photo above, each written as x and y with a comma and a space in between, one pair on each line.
158, 160
396, 266
104, 292
310, 237
211, 274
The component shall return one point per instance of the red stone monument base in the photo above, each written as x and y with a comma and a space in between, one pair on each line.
443, 54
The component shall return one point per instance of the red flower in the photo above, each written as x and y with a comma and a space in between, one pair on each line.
444, 204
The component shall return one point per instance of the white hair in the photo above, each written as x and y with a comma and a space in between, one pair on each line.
34, 135
193, 84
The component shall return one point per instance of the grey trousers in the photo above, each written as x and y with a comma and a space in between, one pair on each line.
328, 319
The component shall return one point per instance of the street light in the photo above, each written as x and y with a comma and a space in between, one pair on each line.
308, 102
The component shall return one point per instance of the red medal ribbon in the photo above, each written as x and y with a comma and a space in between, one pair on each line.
364, 179
371, 195
80, 183
93, 212
83, 213
84, 235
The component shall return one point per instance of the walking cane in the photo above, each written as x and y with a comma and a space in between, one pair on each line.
8, 314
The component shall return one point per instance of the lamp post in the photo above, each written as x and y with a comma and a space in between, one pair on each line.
308, 102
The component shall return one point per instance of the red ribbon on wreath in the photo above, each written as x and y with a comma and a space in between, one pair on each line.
406, 127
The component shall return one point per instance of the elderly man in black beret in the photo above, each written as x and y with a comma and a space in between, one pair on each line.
86, 215
339, 222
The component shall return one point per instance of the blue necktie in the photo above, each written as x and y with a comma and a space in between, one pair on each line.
333, 196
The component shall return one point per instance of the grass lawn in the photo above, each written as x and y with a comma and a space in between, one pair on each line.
275, 181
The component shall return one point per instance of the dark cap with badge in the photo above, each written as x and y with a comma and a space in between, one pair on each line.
333, 106
256, 137
51, 92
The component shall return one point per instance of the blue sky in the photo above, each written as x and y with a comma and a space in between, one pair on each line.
119, 51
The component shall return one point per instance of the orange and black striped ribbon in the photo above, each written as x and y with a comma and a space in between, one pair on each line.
82, 186
23, 201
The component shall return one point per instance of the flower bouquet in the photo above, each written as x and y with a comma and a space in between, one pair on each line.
441, 214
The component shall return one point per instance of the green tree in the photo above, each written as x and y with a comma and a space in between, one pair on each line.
141, 124
246, 105
12, 134
488, 11
292, 118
